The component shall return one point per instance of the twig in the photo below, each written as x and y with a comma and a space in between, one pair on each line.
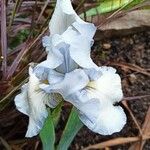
3, 101
135, 97
131, 67
80, 4
16, 7
145, 130
133, 117
43, 9
5, 144
117, 141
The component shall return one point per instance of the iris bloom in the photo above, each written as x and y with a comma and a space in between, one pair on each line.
70, 72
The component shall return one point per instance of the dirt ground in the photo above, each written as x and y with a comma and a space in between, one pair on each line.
133, 49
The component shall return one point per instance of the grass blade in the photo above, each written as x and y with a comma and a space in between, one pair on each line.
16, 7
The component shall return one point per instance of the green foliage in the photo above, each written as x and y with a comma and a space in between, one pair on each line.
19, 38
47, 134
72, 127
107, 6
56, 113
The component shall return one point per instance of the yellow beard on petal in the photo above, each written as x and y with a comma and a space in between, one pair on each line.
92, 84
45, 82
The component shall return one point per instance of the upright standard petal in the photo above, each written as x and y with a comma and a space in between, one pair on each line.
80, 44
70, 50
58, 55
64, 47
63, 16
54, 57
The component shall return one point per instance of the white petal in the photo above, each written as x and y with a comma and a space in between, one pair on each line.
80, 47
110, 120
38, 111
54, 57
93, 74
68, 64
58, 54
55, 77
33, 128
41, 72
89, 112
97, 112
108, 84
86, 29
78, 98
21, 100
99, 115
63, 17
72, 82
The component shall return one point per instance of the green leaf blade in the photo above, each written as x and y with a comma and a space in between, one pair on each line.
71, 129
107, 6
56, 113
47, 134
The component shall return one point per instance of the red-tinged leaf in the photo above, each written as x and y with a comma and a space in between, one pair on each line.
4, 37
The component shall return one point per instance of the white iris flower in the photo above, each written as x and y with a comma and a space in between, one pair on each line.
70, 72
94, 94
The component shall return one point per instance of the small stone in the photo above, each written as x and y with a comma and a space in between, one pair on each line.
132, 78
106, 45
